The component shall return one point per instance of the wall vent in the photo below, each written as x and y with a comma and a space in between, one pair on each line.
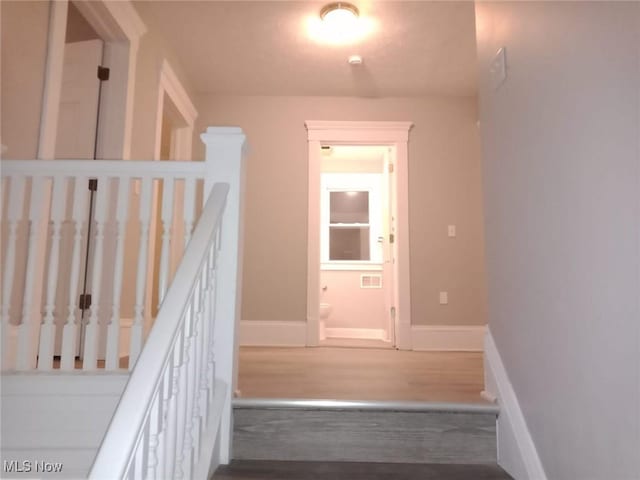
370, 281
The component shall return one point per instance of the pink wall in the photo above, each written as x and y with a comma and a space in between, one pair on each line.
352, 306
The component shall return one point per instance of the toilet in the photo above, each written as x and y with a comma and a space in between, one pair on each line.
325, 310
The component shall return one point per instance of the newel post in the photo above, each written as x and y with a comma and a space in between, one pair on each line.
225, 148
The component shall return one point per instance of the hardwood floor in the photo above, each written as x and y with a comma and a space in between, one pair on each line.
270, 470
360, 374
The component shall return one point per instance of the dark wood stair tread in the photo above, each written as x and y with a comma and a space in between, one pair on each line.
286, 470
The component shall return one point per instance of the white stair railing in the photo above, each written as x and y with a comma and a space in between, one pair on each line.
175, 411
44, 238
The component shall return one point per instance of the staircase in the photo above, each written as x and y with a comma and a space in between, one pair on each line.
301, 439
88, 392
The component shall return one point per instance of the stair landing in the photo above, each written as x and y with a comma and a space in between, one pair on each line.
275, 470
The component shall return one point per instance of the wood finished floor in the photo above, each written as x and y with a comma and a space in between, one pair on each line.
274, 470
360, 374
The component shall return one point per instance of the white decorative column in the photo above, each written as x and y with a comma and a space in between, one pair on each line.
225, 158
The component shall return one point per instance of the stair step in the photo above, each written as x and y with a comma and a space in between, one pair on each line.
277, 470
337, 431
55, 417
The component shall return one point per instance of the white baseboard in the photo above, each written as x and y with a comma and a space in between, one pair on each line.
356, 333
460, 338
269, 333
517, 453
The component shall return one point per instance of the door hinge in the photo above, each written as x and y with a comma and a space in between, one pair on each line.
85, 301
93, 184
103, 73
393, 312
392, 238
391, 168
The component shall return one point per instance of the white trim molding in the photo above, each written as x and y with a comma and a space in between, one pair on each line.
356, 333
120, 27
517, 453
458, 338
396, 136
270, 333
170, 84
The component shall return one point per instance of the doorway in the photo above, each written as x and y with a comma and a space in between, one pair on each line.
390, 274
355, 246
175, 120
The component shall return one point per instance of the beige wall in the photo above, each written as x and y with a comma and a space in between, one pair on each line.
562, 180
24, 47
23, 53
444, 188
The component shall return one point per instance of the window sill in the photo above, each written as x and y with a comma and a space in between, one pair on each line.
352, 266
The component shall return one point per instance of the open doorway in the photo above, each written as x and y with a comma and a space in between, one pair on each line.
356, 246
86, 116
383, 146
82, 75
175, 119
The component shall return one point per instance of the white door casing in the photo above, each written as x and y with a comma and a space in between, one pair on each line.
392, 134
78, 111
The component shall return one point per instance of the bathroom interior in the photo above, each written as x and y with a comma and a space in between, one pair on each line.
354, 206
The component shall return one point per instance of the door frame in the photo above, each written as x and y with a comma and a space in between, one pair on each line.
378, 133
120, 27
169, 86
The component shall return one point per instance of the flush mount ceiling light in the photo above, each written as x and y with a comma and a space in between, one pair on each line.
339, 23
339, 13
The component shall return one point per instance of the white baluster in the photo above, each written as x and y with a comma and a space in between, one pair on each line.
31, 315
183, 392
141, 460
16, 197
141, 275
189, 208
166, 389
199, 360
70, 330
155, 429
90, 358
167, 219
48, 329
192, 387
113, 332
172, 411
211, 323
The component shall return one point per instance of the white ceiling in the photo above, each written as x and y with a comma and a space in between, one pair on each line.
263, 48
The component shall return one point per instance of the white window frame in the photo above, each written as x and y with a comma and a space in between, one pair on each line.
346, 182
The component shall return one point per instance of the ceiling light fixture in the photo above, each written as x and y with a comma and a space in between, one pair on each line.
340, 22
339, 12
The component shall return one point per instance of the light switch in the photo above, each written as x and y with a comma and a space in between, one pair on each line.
451, 230
444, 298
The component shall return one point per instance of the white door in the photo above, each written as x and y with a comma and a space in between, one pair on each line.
75, 139
79, 97
388, 227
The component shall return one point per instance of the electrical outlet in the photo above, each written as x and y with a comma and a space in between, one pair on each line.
451, 230
444, 298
